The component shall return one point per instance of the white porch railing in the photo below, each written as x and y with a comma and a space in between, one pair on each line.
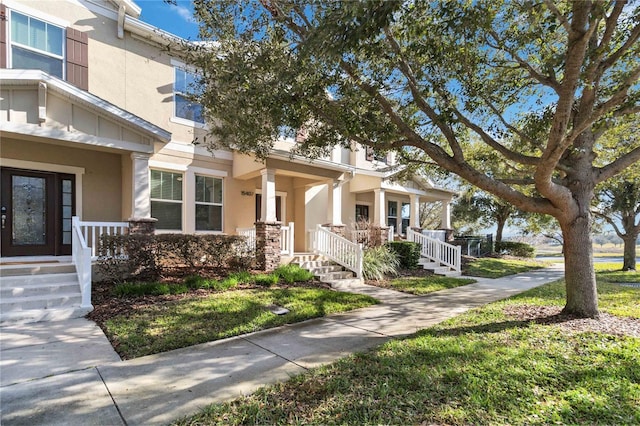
436, 235
337, 248
92, 231
85, 248
436, 250
363, 235
287, 238
81, 257
250, 234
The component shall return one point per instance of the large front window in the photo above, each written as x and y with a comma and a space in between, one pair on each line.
208, 203
36, 44
166, 199
185, 86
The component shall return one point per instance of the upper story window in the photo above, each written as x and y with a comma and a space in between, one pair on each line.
36, 44
30, 40
372, 155
186, 84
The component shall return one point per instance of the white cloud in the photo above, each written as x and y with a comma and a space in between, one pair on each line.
183, 12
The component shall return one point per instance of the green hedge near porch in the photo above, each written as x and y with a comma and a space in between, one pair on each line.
148, 257
408, 253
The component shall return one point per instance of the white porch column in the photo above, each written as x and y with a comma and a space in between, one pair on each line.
268, 205
379, 207
140, 192
334, 208
445, 218
414, 212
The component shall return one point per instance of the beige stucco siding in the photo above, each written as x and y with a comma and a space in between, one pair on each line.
101, 182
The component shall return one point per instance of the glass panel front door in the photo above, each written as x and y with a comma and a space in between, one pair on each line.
37, 208
29, 210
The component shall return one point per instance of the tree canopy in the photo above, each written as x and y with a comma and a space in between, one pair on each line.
536, 81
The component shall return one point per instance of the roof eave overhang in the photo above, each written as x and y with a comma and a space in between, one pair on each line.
14, 77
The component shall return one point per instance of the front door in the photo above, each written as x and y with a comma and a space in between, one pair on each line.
36, 210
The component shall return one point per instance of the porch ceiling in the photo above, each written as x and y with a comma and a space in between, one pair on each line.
246, 167
368, 183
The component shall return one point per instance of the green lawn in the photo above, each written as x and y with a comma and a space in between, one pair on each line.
483, 367
424, 285
162, 327
488, 267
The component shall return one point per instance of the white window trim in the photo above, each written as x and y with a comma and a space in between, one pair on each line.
32, 13
221, 231
182, 202
174, 118
35, 13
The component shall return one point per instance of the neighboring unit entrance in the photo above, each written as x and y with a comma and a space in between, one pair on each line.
278, 207
36, 211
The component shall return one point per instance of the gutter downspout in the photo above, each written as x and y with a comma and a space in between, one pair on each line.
122, 11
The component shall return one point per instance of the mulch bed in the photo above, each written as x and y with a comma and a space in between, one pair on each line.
552, 315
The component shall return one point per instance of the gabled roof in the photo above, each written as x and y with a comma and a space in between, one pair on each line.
17, 77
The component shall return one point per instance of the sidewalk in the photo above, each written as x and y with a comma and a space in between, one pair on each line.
67, 372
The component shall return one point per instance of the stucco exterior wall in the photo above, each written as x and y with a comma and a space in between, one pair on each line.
101, 181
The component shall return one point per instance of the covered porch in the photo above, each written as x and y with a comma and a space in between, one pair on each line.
397, 206
290, 191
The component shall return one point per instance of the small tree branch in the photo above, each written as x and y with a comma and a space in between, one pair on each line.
617, 166
609, 221
533, 73
563, 19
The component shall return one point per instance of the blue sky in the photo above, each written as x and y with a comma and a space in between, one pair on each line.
176, 19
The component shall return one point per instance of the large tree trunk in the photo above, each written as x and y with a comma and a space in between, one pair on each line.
629, 262
499, 230
580, 277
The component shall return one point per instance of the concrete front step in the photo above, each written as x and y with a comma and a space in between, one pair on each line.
313, 264
339, 275
319, 270
63, 300
32, 292
36, 269
51, 289
37, 279
309, 257
38, 315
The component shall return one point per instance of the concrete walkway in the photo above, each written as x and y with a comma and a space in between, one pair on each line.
67, 373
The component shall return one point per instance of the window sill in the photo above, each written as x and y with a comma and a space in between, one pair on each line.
190, 123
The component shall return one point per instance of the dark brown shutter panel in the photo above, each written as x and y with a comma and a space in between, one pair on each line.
3, 36
77, 58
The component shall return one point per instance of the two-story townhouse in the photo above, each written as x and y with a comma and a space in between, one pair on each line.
94, 123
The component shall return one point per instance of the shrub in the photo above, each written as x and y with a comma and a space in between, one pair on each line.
266, 280
147, 257
514, 248
378, 262
293, 273
408, 253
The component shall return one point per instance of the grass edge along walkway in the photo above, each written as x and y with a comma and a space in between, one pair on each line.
479, 367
